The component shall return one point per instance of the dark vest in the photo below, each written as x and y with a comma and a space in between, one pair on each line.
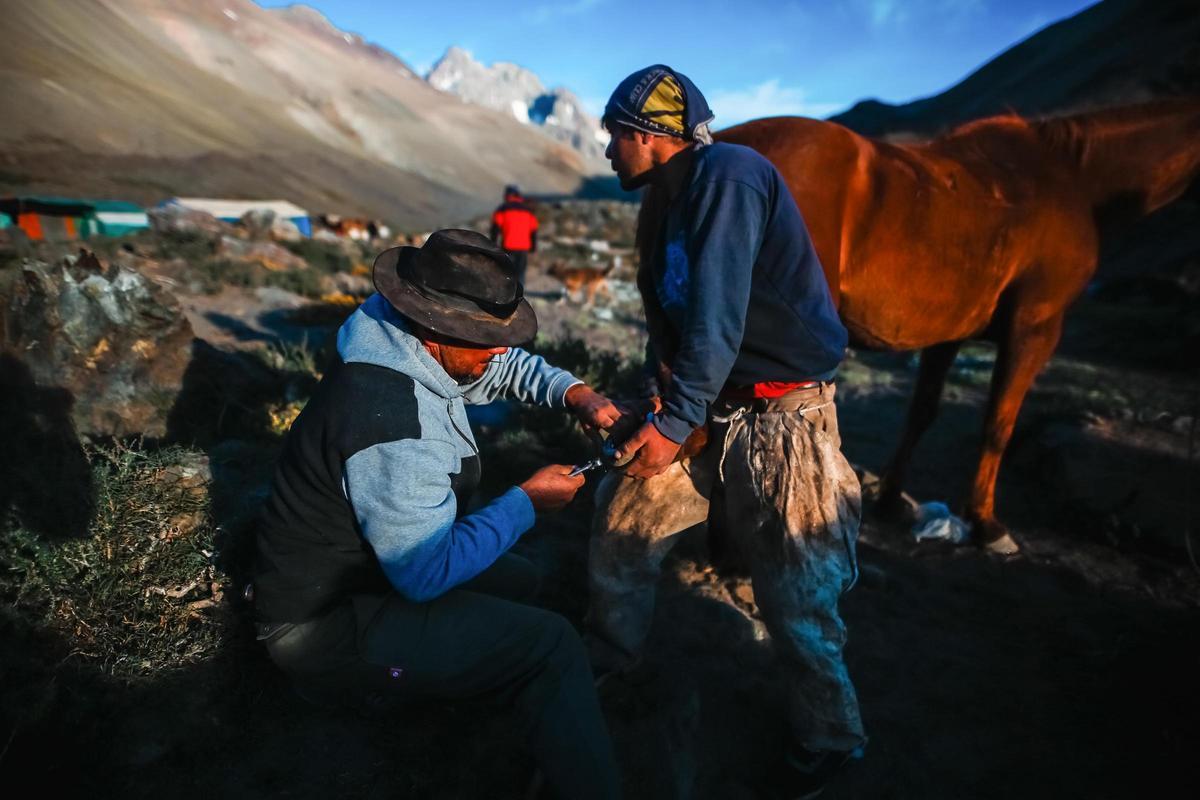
311, 555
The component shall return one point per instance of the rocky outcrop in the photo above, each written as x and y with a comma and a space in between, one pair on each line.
515, 90
114, 341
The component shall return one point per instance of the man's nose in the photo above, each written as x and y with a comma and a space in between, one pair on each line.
608, 150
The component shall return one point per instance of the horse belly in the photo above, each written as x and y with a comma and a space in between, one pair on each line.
927, 288
910, 322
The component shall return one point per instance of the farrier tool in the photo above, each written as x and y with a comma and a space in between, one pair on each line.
607, 457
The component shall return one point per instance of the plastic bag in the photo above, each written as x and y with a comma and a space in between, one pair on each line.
934, 521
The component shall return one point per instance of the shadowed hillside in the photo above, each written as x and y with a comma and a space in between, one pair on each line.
1114, 53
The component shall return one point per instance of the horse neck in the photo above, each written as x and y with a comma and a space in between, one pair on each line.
1134, 159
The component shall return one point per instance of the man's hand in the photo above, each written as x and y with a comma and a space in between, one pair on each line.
633, 416
652, 452
551, 488
594, 410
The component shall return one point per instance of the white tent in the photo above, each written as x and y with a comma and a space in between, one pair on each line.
234, 210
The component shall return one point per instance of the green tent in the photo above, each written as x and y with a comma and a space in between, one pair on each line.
65, 218
114, 218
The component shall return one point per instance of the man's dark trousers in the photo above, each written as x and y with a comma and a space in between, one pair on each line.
476, 641
520, 259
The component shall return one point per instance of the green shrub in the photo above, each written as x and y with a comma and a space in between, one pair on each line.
326, 257
216, 273
141, 592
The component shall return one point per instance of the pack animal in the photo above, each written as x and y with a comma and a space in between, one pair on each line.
988, 232
582, 280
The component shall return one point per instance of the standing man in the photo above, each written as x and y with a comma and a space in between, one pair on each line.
514, 227
744, 338
373, 582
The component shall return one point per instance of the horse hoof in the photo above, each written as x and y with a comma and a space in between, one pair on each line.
993, 537
1004, 546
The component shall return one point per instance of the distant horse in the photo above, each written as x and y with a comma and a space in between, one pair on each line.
989, 232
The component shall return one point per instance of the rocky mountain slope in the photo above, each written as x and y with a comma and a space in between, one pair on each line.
143, 99
513, 89
1116, 52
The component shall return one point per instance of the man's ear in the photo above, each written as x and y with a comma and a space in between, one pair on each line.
644, 138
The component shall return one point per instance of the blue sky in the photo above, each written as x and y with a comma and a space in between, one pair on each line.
750, 58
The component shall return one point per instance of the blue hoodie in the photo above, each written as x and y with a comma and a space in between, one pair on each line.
738, 278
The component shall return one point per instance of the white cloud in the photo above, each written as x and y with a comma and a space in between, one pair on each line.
545, 13
767, 99
892, 14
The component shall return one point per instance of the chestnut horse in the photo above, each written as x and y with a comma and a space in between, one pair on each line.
988, 232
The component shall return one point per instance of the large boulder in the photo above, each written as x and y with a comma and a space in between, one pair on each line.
186, 223
116, 342
256, 223
284, 230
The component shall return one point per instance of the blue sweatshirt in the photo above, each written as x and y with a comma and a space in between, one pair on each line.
740, 282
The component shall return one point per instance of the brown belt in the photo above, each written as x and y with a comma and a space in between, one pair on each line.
794, 400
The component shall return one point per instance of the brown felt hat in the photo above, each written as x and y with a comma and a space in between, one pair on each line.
458, 284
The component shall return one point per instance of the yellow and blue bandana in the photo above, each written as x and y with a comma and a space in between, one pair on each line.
661, 101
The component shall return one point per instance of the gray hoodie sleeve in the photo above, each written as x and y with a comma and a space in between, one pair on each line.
405, 506
520, 375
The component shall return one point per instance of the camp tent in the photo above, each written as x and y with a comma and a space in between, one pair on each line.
53, 219
58, 219
115, 218
234, 210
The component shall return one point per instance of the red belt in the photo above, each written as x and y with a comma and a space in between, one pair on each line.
767, 390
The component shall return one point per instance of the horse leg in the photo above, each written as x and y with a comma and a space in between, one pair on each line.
1024, 348
935, 363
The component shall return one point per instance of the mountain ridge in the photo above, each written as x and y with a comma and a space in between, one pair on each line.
143, 99
1112, 53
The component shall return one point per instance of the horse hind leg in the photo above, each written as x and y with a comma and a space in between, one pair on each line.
931, 378
1024, 349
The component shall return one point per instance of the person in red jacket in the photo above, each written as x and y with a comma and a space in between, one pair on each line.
514, 227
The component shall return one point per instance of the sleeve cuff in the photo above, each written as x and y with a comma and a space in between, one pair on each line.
521, 507
558, 398
674, 429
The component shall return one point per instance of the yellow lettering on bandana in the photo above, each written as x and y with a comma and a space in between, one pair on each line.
665, 105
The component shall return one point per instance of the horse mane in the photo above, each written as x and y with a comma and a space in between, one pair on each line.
1078, 135
984, 138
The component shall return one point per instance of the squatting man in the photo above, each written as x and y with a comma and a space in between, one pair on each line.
373, 583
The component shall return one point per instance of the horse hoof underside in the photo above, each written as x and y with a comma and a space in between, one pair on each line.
994, 538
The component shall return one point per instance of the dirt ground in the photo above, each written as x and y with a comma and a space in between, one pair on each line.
1066, 671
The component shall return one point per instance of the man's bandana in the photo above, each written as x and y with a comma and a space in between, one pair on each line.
661, 101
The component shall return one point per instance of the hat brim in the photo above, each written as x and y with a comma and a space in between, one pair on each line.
475, 327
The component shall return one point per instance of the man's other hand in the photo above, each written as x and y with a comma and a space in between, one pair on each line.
633, 416
652, 452
551, 488
593, 409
